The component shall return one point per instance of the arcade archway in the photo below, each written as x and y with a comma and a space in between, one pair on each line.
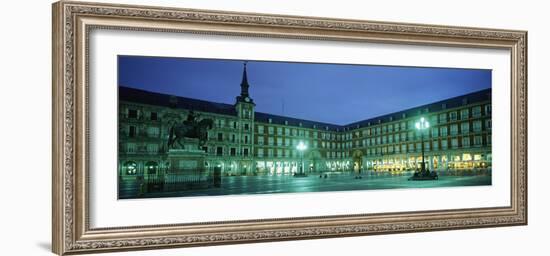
357, 157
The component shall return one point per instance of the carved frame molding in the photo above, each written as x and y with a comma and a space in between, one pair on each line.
72, 22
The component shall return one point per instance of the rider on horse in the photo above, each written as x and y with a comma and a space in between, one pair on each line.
190, 128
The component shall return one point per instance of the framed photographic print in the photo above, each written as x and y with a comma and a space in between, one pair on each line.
178, 127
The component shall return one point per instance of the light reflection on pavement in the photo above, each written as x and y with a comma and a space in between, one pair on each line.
268, 184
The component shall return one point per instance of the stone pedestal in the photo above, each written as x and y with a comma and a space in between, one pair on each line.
187, 159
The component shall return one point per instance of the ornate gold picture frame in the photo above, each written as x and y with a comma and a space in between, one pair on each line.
72, 24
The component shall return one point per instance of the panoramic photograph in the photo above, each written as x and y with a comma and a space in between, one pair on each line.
191, 127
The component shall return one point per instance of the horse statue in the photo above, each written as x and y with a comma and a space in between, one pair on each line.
190, 128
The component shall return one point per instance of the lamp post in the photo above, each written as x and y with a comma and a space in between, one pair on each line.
301, 147
422, 125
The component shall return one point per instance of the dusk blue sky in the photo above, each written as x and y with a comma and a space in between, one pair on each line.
333, 93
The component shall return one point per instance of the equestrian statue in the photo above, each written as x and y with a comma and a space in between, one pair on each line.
190, 128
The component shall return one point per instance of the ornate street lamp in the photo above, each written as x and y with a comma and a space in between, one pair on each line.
301, 147
422, 125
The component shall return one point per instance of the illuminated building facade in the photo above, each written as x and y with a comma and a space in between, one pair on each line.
246, 142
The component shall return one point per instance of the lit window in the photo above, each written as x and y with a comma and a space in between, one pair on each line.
152, 148
476, 111
477, 141
260, 152
131, 168
477, 126
442, 118
130, 148
151, 167
444, 144
435, 132
464, 114
454, 142
465, 142
453, 116
454, 129
465, 127
153, 131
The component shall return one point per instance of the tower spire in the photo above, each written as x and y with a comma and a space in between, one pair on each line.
245, 96
244, 83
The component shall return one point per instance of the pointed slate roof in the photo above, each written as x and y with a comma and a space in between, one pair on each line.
164, 100
244, 83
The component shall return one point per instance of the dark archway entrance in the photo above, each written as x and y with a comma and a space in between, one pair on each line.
151, 167
357, 161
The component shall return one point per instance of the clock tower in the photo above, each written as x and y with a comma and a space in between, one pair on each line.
244, 107
244, 97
